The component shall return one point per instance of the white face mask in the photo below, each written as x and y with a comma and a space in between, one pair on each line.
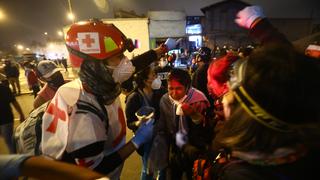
123, 71
156, 83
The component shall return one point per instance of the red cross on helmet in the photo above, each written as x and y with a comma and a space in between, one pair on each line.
94, 39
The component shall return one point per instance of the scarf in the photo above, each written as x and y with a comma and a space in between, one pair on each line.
99, 79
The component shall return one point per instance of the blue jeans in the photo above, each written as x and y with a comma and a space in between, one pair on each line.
6, 131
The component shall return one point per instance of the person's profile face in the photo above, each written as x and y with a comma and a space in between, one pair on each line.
151, 76
176, 90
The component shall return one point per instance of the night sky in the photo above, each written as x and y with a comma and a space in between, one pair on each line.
27, 20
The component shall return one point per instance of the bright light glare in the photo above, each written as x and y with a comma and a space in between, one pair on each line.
20, 47
102, 5
60, 33
2, 15
51, 46
71, 16
45, 33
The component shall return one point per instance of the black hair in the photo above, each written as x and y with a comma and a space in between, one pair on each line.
141, 77
181, 76
284, 82
205, 54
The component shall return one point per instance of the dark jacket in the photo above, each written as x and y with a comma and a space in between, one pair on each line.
304, 168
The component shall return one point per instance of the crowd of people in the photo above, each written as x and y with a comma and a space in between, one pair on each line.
252, 114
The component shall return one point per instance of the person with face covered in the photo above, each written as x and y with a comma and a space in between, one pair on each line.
84, 123
181, 133
49, 73
147, 93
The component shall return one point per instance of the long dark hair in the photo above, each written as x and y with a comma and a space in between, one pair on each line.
141, 77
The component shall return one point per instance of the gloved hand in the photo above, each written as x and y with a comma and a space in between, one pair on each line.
181, 139
246, 16
143, 134
10, 165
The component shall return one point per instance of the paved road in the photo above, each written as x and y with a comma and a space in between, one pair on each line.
132, 167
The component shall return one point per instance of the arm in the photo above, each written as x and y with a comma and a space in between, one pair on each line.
252, 18
38, 101
142, 135
93, 153
150, 56
132, 106
264, 32
42, 168
112, 161
143, 60
12, 166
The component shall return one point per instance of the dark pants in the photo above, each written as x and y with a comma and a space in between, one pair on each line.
179, 164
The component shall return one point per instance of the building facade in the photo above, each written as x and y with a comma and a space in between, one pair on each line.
219, 28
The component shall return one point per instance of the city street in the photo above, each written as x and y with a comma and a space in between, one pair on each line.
223, 88
132, 165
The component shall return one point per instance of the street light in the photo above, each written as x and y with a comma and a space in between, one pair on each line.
70, 14
20, 47
2, 15
60, 33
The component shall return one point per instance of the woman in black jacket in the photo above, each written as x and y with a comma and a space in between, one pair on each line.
148, 92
